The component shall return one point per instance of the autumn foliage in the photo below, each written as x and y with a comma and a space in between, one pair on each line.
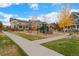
65, 20
1, 25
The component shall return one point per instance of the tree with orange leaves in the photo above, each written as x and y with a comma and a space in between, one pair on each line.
65, 19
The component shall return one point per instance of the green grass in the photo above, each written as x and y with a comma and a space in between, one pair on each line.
68, 47
28, 36
9, 48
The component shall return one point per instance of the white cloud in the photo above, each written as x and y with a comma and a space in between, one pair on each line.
74, 10
6, 19
34, 6
51, 17
6, 16
3, 5
21, 18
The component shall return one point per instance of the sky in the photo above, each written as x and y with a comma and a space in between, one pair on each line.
25, 11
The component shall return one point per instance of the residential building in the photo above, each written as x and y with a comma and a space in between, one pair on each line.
17, 24
75, 16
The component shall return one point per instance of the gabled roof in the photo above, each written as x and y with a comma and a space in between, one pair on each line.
75, 15
12, 19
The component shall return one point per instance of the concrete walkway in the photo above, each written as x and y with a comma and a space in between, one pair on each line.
31, 48
50, 39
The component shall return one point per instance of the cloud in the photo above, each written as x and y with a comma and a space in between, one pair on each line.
74, 10
3, 5
21, 18
6, 16
50, 17
34, 6
53, 17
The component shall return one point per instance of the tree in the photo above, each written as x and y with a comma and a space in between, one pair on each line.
44, 28
1, 25
65, 19
65, 23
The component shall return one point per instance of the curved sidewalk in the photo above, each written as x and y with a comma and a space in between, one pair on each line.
50, 39
31, 48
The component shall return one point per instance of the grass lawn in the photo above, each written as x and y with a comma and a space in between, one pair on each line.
28, 36
68, 47
9, 48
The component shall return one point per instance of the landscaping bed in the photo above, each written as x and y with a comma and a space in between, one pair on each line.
66, 46
29, 36
9, 48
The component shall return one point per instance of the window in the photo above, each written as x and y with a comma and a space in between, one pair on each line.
20, 26
26, 26
77, 26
